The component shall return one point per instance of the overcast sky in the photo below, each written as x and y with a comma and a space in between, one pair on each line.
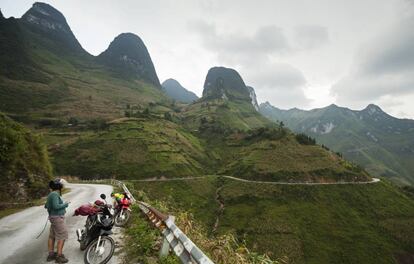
297, 53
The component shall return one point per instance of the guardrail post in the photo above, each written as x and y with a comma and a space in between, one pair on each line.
165, 248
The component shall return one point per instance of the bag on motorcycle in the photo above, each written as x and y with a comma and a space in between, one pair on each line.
86, 210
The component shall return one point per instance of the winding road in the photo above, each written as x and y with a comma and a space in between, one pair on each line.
18, 232
374, 180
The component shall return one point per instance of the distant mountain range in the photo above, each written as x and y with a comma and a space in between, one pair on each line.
370, 137
177, 92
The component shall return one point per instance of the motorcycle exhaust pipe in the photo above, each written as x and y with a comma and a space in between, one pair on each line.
79, 234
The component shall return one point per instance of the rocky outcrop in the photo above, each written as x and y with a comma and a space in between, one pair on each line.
45, 20
253, 97
128, 56
225, 83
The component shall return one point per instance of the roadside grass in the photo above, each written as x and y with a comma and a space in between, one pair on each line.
300, 224
9, 211
144, 240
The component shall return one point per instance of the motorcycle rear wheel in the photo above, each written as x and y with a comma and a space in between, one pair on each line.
91, 254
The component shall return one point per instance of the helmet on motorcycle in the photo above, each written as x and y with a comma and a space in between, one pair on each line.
99, 203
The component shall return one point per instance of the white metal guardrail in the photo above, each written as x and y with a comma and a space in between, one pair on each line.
174, 238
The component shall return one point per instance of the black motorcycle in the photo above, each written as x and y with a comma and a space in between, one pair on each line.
95, 237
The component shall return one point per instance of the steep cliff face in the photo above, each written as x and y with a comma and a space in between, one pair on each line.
253, 97
225, 83
128, 56
48, 22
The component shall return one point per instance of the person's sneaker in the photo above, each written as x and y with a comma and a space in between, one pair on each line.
61, 259
51, 257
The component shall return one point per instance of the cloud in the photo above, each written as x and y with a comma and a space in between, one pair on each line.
310, 36
253, 56
238, 47
383, 68
278, 75
281, 84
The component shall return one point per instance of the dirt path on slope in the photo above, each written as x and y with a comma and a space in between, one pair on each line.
220, 202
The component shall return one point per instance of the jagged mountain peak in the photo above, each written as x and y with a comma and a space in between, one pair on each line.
225, 83
170, 81
46, 17
1, 15
128, 56
128, 38
333, 106
50, 23
177, 92
45, 10
373, 109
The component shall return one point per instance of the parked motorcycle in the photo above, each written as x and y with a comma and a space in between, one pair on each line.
122, 211
95, 237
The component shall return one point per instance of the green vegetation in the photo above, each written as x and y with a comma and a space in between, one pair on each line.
371, 223
132, 148
144, 240
305, 140
222, 114
24, 165
99, 123
375, 140
158, 146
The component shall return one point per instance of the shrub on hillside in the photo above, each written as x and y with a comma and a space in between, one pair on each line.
305, 139
24, 164
267, 133
97, 124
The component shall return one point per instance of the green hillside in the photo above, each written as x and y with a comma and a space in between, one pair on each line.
383, 144
46, 77
306, 224
228, 114
24, 164
209, 136
130, 148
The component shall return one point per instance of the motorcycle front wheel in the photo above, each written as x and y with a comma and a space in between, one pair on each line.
102, 253
122, 218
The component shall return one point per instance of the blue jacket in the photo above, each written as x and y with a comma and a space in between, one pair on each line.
55, 205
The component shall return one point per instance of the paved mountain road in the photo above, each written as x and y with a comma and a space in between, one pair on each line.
18, 232
374, 180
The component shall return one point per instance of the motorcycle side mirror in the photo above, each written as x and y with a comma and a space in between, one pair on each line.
103, 196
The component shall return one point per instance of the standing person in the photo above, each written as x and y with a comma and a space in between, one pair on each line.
58, 231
